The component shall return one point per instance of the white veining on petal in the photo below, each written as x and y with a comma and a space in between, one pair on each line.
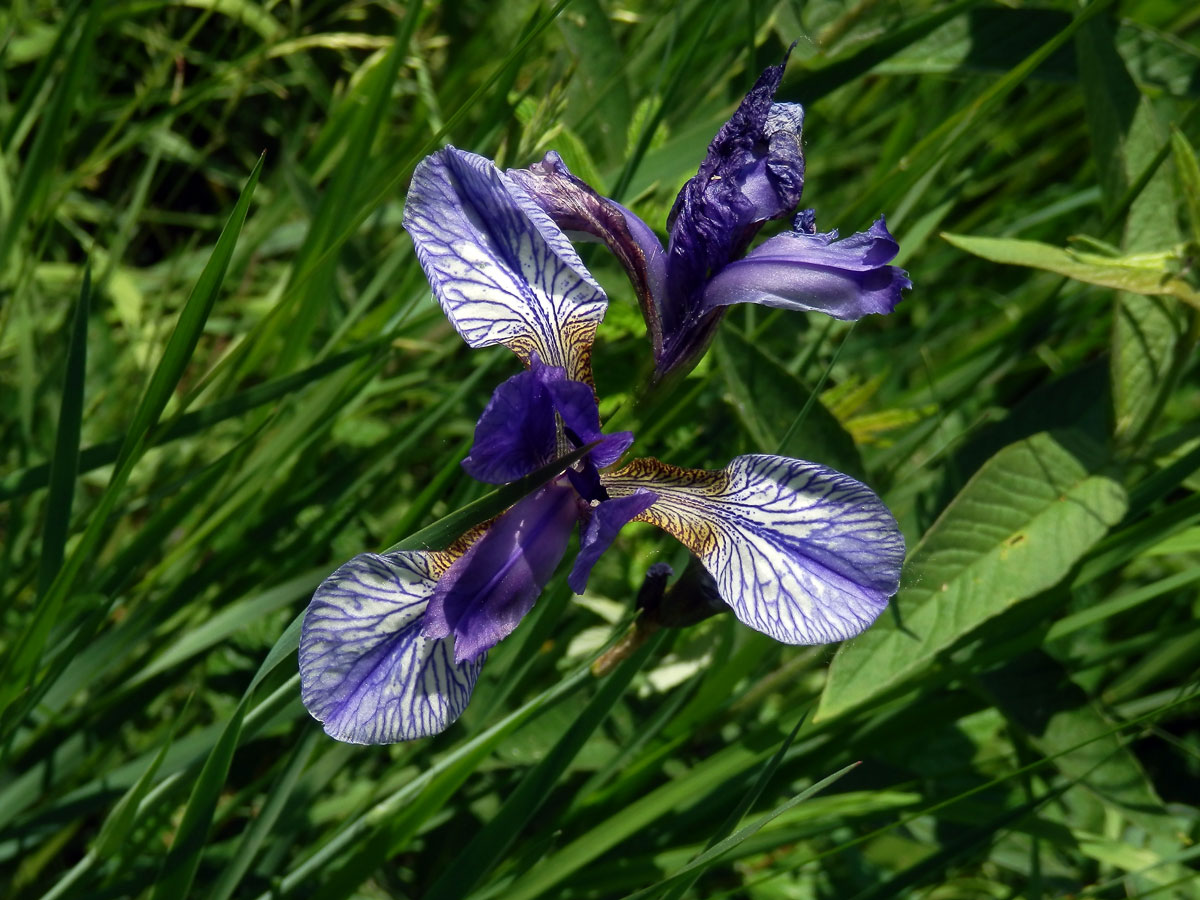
502, 271
366, 671
801, 552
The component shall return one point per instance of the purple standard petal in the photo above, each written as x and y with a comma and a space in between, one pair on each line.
517, 433
800, 552
502, 271
576, 207
488, 590
601, 529
845, 279
575, 403
753, 172
366, 670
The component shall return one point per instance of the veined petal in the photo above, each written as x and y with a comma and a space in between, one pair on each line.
607, 519
846, 279
502, 271
800, 552
576, 208
488, 590
367, 673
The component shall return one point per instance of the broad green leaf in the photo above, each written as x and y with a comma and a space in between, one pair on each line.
1148, 339
1143, 273
1036, 693
1015, 529
1189, 179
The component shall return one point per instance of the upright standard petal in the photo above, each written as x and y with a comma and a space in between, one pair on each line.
800, 552
518, 431
502, 271
488, 590
846, 279
367, 673
576, 207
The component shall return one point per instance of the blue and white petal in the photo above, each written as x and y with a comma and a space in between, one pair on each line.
366, 671
502, 271
800, 552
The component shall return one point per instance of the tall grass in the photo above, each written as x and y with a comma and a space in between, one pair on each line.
223, 375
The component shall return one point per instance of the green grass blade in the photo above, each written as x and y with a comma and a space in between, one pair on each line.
23, 660
183, 859
64, 466
261, 828
486, 849
34, 178
723, 839
713, 854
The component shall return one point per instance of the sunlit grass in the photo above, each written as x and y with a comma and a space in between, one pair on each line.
197, 434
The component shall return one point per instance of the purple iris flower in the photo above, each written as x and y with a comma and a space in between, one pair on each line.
753, 173
393, 643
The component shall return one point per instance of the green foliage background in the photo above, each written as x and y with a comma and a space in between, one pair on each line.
222, 375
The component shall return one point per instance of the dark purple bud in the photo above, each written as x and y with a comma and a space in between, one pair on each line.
753, 173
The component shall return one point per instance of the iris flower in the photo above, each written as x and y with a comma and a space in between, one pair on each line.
393, 643
753, 173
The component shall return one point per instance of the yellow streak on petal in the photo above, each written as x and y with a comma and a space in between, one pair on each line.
682, 496
573, 351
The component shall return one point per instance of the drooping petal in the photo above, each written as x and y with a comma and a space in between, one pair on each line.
488, 590
576, 207
606, 520
800, 552
502, 271
753, 172
517, 433
367, 673
846, 279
